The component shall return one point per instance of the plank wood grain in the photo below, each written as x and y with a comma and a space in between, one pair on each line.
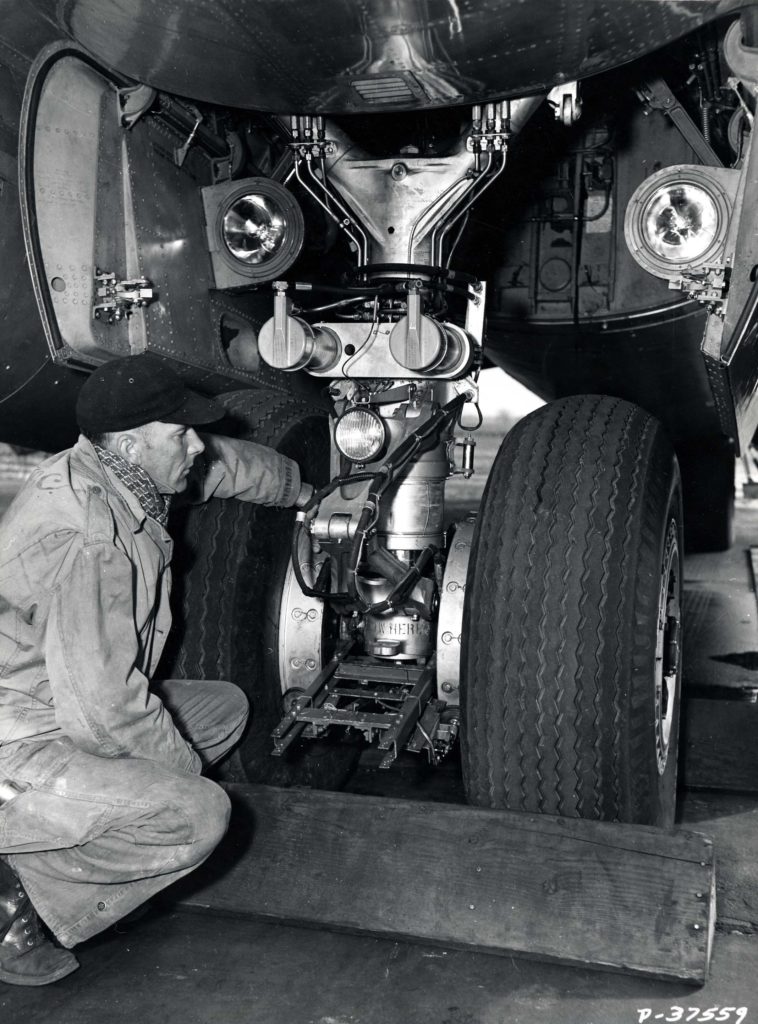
618, 897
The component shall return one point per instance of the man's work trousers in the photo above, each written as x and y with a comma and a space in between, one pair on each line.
92, 838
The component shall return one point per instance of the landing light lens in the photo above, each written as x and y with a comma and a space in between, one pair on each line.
360, 435
680, 222
677, 220
254, 229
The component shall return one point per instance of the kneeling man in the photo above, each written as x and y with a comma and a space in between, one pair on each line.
102, 801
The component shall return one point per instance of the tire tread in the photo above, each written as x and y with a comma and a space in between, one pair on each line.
551, 649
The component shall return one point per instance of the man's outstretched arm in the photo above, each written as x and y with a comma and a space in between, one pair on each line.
232, 468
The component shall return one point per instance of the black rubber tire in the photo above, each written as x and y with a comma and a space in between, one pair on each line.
229, 565
708, 493
561, 617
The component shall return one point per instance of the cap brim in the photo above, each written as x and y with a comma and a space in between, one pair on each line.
195, 410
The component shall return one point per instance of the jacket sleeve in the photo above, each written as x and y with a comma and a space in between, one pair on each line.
232, 468
102, 699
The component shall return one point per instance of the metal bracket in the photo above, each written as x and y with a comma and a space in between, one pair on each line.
134, 102
490, 128
709, 285
475, 310
115, 300
468, 447
308, 138
180, 152
742, 59
656, 95
566, 104
387, 701
221, 169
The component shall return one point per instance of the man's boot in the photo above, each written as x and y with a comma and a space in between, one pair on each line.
26, 956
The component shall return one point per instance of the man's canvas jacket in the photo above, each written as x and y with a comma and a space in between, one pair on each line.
84, 600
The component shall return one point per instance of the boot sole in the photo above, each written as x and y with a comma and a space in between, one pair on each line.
33, 981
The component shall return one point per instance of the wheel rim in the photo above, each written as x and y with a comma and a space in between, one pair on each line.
668, 645
301, 625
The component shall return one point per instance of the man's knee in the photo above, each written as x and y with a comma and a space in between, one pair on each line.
205, 808
214, 810
236, 707
240, 702
211, 714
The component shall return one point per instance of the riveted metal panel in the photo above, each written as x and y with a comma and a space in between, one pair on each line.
186, 321
103, 198
73, 200
342, 56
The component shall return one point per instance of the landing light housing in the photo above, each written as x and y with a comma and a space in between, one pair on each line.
255, 231
677, 221
360, 435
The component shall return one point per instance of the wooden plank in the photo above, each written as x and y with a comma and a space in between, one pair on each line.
617, 897
721, 751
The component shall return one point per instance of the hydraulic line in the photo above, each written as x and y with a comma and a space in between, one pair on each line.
349, 217
430, 210
331, 213
416, 443
420, 269
486, 180
405, 584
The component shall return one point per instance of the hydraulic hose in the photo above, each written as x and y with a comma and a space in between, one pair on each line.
314, 501
416, 443
405, 584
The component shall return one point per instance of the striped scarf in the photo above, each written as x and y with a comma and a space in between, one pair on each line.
142, 486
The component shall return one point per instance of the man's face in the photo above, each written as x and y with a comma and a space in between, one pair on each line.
166, 451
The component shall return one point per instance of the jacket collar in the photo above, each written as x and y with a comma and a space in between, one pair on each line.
84, 457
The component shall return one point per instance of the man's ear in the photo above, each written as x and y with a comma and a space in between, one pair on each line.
128, 446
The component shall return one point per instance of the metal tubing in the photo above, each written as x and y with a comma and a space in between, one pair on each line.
331, 213
436, 247
426, 213
441, 230
363, 252
472, 199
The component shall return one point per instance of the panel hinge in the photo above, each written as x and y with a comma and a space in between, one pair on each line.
709, 285
116, 299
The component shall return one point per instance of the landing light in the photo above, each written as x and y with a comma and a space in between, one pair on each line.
360, 434
256, 231
678, 219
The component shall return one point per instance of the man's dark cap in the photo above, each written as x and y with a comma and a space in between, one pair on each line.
134, 390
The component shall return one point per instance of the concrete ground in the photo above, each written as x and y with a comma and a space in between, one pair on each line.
179, 967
